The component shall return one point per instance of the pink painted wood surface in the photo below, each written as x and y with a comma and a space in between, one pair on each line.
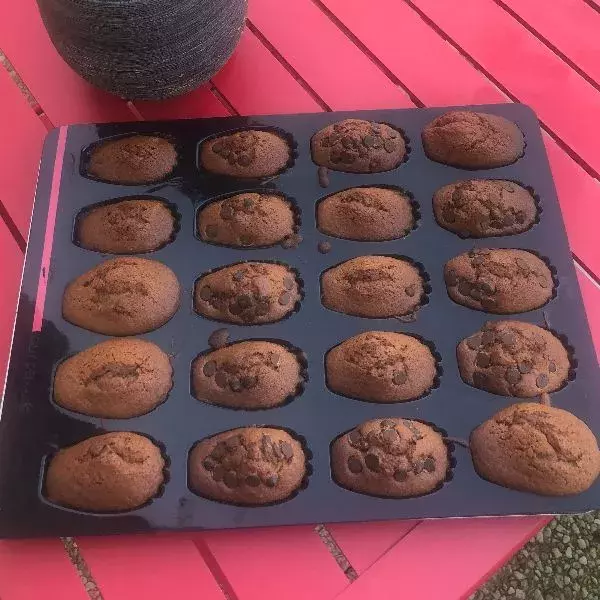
527, 68
32, 569
63, 95
255, 82
290, 563
324, 57
571, 26
149, 567
437, 560
590, 290
432, 75
23, 134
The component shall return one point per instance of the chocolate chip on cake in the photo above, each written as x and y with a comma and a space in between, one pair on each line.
380, 366
513, 358
122, 296
251, 377
500, 281
105, 473
536, 448
366, 214
129, 226
373, 286
248, 220
261, 466
357, 146
133, 159
116, 379
473, 140
392, 457
484, 208
250, 153
248, 293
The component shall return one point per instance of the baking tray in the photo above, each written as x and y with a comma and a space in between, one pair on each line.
32, 427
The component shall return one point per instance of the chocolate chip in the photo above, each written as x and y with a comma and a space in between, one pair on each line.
230, 479
287, 450
464, 287
235, 309
355, 465
235, 384
541, 380
486, 287
508, 338
355, 437
390, 435
399, 377
218, 473
271, 481
274, 359
400, 475
221, 379
413, 429
347, 142
209, 368
249, 381
418, 466
244, 160
368, 141
324, 247
480, 380
218, 338
285, 298
488, 337
522, 264
262, 309
217, 147
211, 231
411, 290
451, 278
512, 375
475, 293
387, 424
253, 480
552, 366
209, 464
478, 260
474, 342
372, 462
521, 216
508, 220
525, 367
219, 451
244, 301
205, 293
483, 360
233, 443
429, 464
347, 157
288, 283
389, 146
377, 142
227, 212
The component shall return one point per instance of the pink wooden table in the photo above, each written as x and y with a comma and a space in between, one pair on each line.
303, 56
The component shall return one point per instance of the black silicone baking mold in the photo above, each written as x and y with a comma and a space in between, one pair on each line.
32, 427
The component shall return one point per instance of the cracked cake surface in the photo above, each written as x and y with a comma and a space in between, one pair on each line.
536, 448
390, 457
249, 465
110, 472
484, 208
498, 280
116, 379
373, 286
513, 358
357, 146
380, 366
472, 140
249, 374
122, 296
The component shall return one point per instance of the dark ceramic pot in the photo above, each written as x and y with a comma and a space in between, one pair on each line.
146, 49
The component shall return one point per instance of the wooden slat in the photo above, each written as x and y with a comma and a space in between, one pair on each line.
432, 75
199, 103
23, 135
149, 567
324, 57
291, 563
254, 82
438, 559
62, 94
31, 569
364, 543
525, 67
571, 26
10, 279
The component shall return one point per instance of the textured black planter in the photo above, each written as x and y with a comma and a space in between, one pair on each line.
147, 49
